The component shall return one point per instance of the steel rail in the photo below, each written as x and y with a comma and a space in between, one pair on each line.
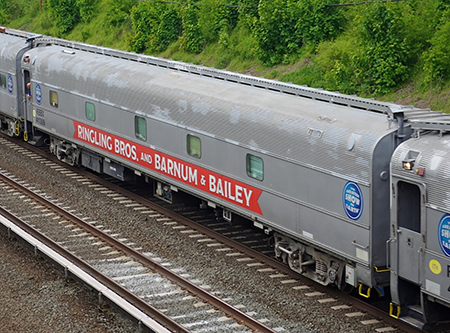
117, 288
182, 282
15, 228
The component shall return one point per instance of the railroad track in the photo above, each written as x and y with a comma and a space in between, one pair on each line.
130, 274
212, 238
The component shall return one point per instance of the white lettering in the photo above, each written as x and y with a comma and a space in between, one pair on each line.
176, 169
94, 137
193, 176
157, 159
212, 184
219, 187
170, 167
247, 196
229, 190
125, 149
239, 194
146, 158
352, 198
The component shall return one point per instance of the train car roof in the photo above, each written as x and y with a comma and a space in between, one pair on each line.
10, 46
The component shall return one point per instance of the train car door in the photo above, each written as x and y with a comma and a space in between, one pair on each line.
407, 249
27, 100
409, 227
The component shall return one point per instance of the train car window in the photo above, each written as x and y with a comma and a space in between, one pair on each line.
140, 128
409, 206
3, 81
53, 98
255, 167
194, 146
90, 111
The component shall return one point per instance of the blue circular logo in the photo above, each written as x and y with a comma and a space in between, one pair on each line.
352, 199
38, 93
10, 84
444, 234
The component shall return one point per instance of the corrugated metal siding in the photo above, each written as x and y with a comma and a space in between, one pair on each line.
283, 125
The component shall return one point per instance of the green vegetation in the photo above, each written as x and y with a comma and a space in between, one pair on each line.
394, 50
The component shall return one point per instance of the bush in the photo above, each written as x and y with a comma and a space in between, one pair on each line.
224, 35
12, 9
192, 40
248, 12
3, 17
169, 29
285, 25
420, 18
385, 51
318, 22
145, 17
118, 12
275, 31
211, 17
437, 58
65, 14
87, 9
338, 61
155, 26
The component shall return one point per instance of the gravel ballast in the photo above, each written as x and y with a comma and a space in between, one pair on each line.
35, 297
288, 309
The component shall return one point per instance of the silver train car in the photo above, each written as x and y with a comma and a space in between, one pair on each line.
324, 173
420, 222
14, 44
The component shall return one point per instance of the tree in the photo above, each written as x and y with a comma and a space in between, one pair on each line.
192, 39
385, 51
87, 9
155, 26
65, 14
213, 15
10, 9
437, 57
145, 17
275, 31
317, 22
169, 29
284, 26
248, 12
